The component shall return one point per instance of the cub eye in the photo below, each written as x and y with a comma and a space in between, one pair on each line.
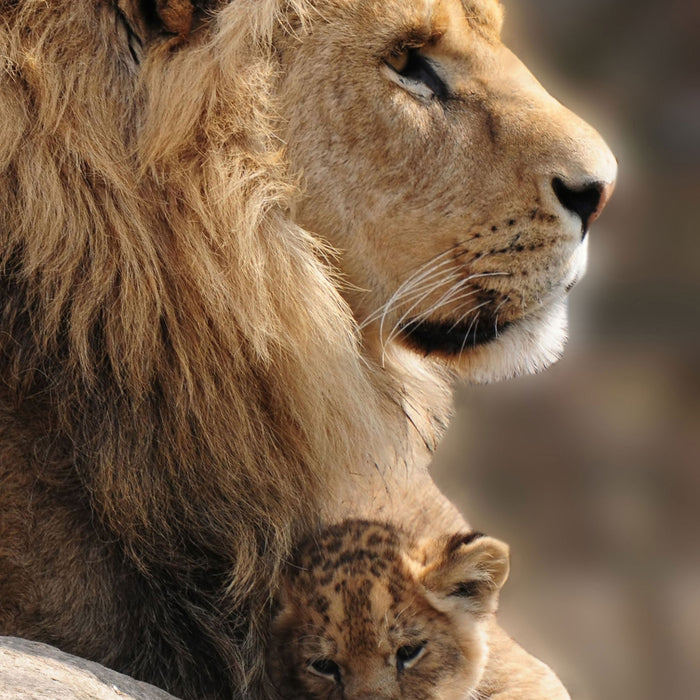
415, 73
407, 655
326, 668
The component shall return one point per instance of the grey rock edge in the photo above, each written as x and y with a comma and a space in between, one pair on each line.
33, 671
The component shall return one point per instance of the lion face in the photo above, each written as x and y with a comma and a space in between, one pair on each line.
456, 190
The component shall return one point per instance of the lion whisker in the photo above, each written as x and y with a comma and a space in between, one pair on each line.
453, 294
407, 286
466, 313
450, 296
409, 295
441, 302
495, 314
415, 294
473, 324
419, 291
416, 297
426, 270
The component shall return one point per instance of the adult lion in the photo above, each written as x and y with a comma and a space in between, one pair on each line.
182, 388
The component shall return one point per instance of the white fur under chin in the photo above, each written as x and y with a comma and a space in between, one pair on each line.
526, 347
531, 344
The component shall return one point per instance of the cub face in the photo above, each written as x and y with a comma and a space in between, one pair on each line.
363, 612
456, 190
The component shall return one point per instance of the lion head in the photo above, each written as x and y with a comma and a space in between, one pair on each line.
458, 192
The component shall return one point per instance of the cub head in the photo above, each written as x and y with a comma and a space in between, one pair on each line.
364, 612
456, 190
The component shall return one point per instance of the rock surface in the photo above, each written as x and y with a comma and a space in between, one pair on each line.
29, 670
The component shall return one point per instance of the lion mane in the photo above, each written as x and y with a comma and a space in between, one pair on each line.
180, 380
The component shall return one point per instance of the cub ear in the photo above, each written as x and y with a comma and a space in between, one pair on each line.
466, 570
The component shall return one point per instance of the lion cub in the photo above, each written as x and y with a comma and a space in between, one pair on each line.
365, 611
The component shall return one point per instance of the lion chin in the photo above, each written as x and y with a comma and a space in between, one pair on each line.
487, 350
527, 346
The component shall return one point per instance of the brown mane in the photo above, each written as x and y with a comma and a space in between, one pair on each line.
177, 368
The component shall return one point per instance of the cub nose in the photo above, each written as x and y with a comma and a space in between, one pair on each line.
587, 201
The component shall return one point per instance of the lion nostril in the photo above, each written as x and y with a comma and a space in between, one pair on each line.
586, 201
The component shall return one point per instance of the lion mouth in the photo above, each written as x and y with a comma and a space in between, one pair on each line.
449, 338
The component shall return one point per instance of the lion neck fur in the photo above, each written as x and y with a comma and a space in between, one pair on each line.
181, 342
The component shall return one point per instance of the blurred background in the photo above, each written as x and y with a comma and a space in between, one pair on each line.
592, 470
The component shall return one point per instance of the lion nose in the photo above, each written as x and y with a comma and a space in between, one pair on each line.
587, 201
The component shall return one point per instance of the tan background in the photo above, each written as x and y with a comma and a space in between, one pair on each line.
592, 470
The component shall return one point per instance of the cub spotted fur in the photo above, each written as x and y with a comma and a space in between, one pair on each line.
365, 611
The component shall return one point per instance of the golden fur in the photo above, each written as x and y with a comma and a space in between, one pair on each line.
366, 612
183, 390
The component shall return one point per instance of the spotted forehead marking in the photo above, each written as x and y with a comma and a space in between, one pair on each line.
350, 551
354, 575
352, 544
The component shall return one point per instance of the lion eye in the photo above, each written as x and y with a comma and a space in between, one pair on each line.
407, 655
415, 73
398, 60
326, 668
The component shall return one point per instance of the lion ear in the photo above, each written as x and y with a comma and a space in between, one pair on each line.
467, 571
175, 15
